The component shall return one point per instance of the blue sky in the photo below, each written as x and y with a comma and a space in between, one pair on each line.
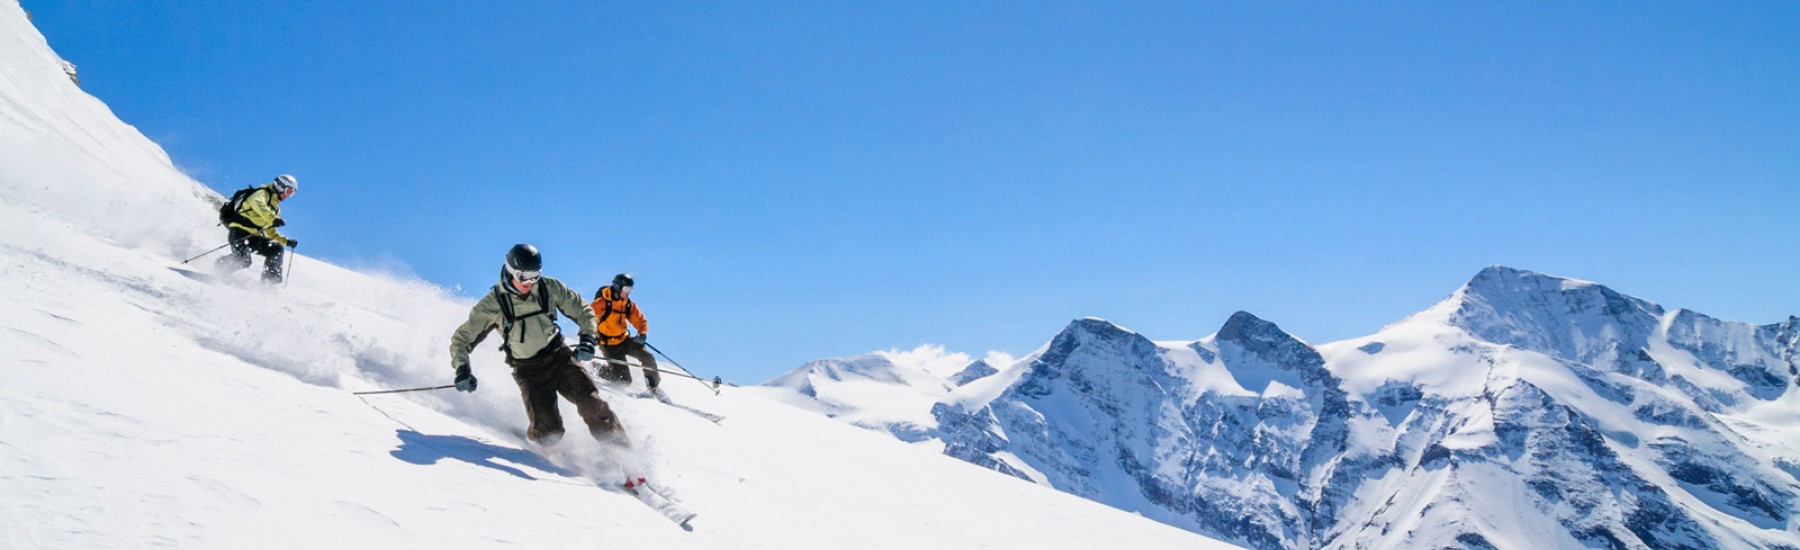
814, 179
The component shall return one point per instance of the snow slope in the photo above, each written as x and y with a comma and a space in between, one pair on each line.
144, 405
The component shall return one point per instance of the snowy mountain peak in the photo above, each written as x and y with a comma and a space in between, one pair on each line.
1567, 318
1508, 288
1094, 327
1500, 276
1253, 332
975, 371
1251, 345
1096, 338
1500, 283
889, 391
869, 366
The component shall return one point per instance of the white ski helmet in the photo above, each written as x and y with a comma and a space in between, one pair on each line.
286, 182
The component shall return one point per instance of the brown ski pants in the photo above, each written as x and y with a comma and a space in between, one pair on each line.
554, 371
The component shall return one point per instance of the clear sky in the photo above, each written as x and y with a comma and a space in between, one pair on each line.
799, 180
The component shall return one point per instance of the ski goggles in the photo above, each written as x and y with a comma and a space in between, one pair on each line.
527, 277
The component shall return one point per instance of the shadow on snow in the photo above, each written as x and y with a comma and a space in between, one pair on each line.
422, 449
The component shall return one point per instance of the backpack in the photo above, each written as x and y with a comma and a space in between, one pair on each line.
228, 212
506, 310
598, 294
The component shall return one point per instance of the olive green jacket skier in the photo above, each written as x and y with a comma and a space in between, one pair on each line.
523, 306
533, 329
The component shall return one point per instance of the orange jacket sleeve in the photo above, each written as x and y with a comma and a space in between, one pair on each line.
637, 319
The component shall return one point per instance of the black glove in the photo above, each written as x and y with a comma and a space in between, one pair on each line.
641, 338
465, 380
293, 243
584, 351
279, 222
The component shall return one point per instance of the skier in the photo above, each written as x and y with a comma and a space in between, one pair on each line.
523, 307
613, 306
251, 224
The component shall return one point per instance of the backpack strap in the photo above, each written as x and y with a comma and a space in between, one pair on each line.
506, 314
608, 312
629, 307
544, 301
506, 311
609, 307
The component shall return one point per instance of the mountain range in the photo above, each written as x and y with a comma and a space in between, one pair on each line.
1525, 410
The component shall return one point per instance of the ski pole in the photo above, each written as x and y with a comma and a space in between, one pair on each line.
288, 277
403, 391
202, 254
715, 380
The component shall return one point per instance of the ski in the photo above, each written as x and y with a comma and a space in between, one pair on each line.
659, 396
656, 500
196, 275
637, 487
663, 398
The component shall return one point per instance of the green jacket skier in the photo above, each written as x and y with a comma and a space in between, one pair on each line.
252, 229
523, 308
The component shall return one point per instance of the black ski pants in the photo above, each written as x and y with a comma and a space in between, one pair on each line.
243, 243
621, 373
554, 371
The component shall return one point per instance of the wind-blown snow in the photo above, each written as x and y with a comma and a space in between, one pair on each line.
143, 406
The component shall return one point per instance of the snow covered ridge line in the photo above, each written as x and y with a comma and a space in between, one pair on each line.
1524, 410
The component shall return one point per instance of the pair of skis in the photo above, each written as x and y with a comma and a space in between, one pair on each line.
639, 487
663, 398
657, 500
636, 486
652, 393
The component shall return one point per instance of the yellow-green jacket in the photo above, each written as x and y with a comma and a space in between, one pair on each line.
261, 209
533, 329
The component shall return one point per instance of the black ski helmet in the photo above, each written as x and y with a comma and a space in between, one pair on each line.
622, 280
524, 257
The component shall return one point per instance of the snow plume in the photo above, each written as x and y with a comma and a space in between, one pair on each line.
930, 358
